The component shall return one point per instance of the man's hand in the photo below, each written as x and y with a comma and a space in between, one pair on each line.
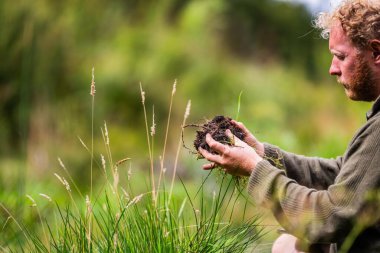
239, 159
250, 139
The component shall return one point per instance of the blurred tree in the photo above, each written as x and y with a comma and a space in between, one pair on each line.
49, 47
268, 31
215, 48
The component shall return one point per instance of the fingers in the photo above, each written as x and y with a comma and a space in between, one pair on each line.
211, 157
215, 145
235, 141
209, 166
250, 139
240, 125
221, 150
248, 134
230, 134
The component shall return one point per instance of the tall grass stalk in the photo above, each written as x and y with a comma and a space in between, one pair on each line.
106, 141
186, 115
11, 217
113, 168
68, 189
149, 147
238, 106
174, 89
69, 176
92, 93
152, 134
34, 204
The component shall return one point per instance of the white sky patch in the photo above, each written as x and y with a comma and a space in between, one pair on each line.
316, 6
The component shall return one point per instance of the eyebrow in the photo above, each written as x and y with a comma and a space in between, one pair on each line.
337, 52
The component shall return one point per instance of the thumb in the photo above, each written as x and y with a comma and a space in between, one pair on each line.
232, 137
229, 134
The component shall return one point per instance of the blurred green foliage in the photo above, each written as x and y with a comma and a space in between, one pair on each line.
214, 48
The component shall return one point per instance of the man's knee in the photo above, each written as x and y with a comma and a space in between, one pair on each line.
284, 243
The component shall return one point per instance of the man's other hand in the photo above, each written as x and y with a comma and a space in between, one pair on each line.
250, 139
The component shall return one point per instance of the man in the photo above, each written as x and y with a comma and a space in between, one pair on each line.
324, 205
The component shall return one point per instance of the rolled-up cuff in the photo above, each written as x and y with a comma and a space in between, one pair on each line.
274, 155
261, 181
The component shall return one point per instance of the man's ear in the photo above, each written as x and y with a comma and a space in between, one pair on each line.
375, 47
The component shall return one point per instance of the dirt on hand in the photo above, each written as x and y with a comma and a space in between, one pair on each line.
217, 128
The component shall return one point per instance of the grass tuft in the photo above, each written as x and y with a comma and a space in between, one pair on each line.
150, 221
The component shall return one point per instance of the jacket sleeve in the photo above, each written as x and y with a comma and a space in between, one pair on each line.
312, 172
325, 216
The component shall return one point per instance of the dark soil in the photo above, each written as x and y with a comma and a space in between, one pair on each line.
217, 128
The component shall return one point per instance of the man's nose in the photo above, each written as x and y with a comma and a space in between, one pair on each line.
334, 69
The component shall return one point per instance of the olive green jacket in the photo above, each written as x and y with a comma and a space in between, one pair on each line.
333, 201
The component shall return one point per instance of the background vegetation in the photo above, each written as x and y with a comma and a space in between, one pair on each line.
215, 49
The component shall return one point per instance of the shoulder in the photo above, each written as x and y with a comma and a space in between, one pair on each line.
367, 138
370, 129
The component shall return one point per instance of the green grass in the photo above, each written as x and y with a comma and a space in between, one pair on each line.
139, 225
115, 217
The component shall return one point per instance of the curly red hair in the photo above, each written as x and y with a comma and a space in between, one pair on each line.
360, 19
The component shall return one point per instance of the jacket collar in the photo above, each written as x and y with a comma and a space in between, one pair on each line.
375, 109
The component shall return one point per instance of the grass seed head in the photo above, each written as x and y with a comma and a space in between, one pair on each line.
187, 111
126, 195
142, 95
88, 205
61, 163
92, 92
135, 200
153, 127
103, 162
64, 182
129, 173
174, 87
115, 179
46, 196
106, 133
31, 199
82, 142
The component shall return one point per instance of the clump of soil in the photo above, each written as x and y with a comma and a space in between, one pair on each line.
217, 128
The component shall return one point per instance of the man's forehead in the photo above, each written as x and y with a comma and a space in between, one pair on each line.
338, 39
336, 27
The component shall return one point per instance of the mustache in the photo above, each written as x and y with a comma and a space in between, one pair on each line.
345, 85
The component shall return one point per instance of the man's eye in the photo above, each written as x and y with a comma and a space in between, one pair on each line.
340, 57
